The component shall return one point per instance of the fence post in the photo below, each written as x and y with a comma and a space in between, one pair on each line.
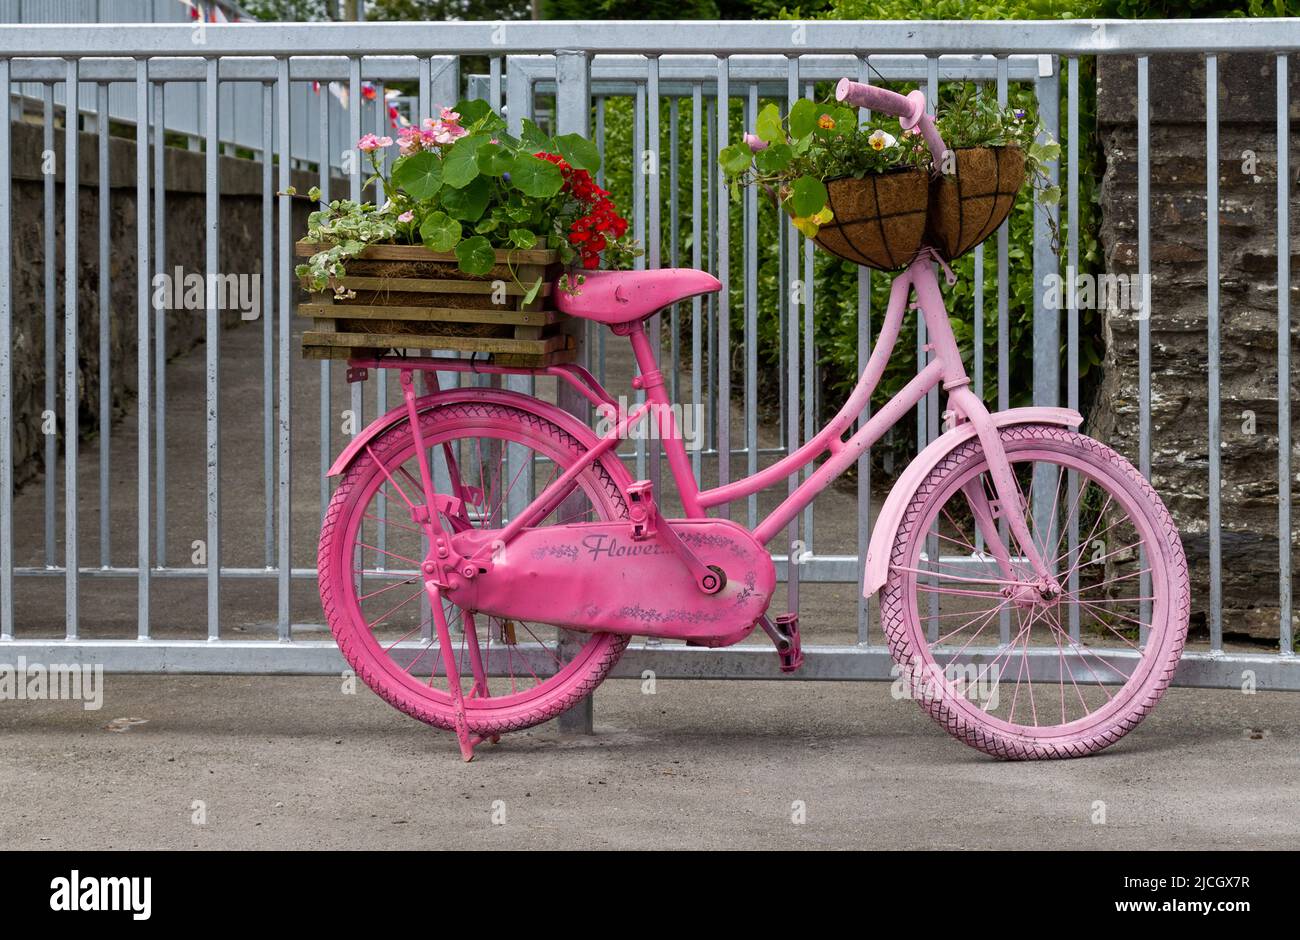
1047, 322
572, 116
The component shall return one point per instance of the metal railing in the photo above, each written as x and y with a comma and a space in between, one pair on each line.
574, 73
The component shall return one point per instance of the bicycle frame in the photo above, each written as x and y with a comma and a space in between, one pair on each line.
946, 368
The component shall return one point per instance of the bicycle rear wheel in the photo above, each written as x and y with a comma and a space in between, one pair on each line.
489, 457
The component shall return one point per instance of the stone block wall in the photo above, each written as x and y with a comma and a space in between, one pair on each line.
1248, 290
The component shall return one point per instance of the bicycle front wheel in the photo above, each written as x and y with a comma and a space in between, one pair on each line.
1021, 673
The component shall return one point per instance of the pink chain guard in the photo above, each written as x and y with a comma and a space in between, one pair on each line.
595, 577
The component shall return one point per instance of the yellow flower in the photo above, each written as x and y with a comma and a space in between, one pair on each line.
826, 122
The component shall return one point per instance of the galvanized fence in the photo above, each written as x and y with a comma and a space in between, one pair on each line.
569, 75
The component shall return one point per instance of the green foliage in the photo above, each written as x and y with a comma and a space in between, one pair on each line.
462, 184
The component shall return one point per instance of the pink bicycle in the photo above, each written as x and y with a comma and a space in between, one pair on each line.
486, 556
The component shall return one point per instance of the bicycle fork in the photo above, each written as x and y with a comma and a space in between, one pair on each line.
966, 404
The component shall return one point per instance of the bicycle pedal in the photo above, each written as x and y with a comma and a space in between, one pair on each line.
791, 651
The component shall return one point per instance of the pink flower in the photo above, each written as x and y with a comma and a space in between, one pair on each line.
409, 141
755, 143
447, 133
368, 143
385, 141
407, 216
449, 116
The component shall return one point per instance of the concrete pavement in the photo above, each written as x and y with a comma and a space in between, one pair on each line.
279, 763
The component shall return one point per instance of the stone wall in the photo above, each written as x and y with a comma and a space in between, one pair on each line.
1247, 172
240, 252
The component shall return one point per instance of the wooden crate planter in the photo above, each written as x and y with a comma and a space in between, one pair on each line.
407, 297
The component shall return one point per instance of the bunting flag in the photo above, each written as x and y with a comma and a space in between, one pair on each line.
215, 12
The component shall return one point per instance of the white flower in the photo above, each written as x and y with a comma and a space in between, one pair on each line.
879, 140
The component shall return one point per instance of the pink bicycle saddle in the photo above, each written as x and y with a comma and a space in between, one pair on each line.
614, 297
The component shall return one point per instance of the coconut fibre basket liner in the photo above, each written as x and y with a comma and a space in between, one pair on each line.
879, 219
968, 205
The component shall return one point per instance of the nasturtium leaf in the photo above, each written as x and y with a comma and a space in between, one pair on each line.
475, 255
419, 175
807, 196
579, 151
736, 158
468, 202
440, 232
522, 238
460, 164
769, 124
534, 138
535, 177
471, 110
493, 159
774, 159
803, 117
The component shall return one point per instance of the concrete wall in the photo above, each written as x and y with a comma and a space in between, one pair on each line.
1248, 310
240, 253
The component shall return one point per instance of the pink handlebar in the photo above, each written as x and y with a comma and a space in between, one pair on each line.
909, 109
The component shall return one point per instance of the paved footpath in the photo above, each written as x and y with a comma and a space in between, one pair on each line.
286, 762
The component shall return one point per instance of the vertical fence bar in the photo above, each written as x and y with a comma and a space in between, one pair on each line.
1144, 315
697, 97
723, 236
750, 340
654, 244
71, 404
1213, 373
864, 462
1047, 320
810, 390
160, 327
105, 308
212, 350
573, 116
6, 379
268, 340
326, 389
674, 223
638, 226
357, 403
285, 559
1283, 359
51, 368
143, 362
795, 550
711, 302
381, 375
1072, 328
1004, 336
599, 364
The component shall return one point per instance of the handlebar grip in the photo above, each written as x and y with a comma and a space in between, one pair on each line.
908, 109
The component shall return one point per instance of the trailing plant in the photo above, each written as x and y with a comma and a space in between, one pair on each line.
975, 119
461, 184
791, 157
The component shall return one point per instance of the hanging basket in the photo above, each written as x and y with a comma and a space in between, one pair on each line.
405, 297
879, 219
968, 205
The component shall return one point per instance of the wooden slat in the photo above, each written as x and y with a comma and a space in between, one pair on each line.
492, 315
305, 249
458, 343
435, 286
